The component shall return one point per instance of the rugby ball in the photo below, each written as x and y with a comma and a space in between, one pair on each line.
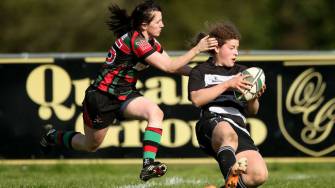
257, 79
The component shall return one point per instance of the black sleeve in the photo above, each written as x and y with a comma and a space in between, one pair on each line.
242, 68
196, 81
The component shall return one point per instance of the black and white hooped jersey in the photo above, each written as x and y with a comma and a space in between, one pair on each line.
207, 74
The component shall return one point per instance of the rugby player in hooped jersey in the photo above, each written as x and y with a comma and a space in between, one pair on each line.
113, 96
221, 130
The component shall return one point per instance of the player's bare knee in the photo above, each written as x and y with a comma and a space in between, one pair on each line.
93, 146
258, 178
156, 113
263, 176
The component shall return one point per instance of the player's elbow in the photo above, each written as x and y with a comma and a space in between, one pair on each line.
196, 99
252, 111
197, 103
92, 147
171, 70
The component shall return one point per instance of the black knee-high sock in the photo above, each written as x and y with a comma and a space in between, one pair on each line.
64, 138
226, 159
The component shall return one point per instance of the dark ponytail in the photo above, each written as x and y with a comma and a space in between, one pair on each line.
120, 22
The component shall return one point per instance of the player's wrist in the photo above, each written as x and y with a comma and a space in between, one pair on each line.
196, 50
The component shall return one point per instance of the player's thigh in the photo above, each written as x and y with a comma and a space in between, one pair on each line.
224, 135
256, 170
141, 108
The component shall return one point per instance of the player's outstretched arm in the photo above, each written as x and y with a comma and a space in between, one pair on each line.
165, 63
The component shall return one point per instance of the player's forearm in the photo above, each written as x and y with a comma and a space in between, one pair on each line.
181, 61
165, 63
252, 106
202, 97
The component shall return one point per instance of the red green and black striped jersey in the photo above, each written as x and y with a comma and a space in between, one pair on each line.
125, 59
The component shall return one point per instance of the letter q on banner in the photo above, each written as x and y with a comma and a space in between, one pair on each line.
61, 89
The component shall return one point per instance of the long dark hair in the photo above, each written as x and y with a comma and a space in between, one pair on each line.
120, 22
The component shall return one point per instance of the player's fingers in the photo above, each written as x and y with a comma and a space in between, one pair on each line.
245, 86
204, 45
205, 37
246, 76
246, 82
212, 42
211, 45
239, 89
264, 87
260, 93
212, 39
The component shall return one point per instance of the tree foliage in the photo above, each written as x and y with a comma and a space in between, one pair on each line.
79, 26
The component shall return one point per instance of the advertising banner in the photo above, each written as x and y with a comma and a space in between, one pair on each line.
296, 116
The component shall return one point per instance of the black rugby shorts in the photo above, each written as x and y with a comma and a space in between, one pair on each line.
206, 125
101, 109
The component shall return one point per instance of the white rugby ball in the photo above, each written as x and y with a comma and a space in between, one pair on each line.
257, 80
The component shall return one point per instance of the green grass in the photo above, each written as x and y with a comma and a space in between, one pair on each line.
308, 175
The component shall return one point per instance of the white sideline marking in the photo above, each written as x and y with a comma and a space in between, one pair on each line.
175, 180
298, 177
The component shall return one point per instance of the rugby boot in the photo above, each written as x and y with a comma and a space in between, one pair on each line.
153, 170
48, 141
238, 168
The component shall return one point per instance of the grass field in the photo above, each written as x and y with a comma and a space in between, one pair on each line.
282, 175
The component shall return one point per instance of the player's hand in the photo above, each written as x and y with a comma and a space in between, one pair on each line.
261, 92
239, 83
206, 44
